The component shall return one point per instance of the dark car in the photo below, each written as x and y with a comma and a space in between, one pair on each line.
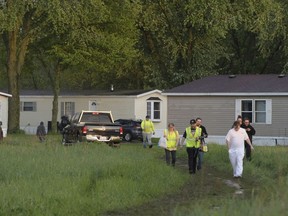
131, 129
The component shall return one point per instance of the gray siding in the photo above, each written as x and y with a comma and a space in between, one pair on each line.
218, 114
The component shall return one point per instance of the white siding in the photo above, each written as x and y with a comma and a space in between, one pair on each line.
4, 113
131, 107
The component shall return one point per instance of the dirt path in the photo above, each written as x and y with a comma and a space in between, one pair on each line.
209, 183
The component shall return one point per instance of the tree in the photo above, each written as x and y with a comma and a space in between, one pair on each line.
18, 25
256, 43
182, 40
97, 43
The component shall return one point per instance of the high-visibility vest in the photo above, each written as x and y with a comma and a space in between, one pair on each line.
147, 126
172, 139
191, 138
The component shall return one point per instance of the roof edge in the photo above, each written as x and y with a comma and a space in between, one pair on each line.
5, 94
228, 94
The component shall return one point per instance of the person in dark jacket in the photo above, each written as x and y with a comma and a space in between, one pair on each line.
41, 132
251, 132
1, 132
204, 134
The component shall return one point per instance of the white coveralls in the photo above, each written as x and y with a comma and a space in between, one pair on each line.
237, 148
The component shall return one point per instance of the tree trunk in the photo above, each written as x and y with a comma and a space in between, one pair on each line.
13, 83
56, 90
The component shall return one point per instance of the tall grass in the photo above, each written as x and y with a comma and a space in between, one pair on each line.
265, 185
83, 179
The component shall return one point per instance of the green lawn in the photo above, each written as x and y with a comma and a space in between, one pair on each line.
93, 179
83, 179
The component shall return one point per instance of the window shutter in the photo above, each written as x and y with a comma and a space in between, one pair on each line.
62, 109
237, 108
269, 111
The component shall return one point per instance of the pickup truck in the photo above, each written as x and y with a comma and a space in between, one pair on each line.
92, 126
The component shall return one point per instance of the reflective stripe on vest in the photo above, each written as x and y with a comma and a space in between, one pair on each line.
191, 139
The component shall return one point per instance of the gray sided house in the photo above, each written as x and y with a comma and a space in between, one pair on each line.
219, 99
36, 106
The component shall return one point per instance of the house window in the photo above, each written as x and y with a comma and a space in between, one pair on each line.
154, 108
67, 108
28, 106
257, 110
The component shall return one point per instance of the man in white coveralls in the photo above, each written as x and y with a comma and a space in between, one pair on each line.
235, 142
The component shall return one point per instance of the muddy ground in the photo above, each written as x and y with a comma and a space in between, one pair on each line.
207, 183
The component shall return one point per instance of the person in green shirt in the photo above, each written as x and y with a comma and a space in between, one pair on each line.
147, 131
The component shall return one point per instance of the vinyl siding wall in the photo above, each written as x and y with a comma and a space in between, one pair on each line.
4, 113
218, 114
130, 107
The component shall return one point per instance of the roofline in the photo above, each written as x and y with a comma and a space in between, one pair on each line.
76, 96
228, 94
94, 95
5, 94
149, 92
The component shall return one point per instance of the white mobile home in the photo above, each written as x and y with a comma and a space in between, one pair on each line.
4, 111
36, 106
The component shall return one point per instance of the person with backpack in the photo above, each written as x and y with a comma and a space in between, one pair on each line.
172, 137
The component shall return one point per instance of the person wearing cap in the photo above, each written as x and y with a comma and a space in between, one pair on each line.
235, 142
192, 136
147, 131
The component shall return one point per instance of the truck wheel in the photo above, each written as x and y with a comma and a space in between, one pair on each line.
128, 137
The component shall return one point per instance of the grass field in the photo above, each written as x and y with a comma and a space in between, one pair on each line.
83, 179
93, 179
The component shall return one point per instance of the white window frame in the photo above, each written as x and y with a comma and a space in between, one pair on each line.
28, 106
67, 108
151, 111
238, 110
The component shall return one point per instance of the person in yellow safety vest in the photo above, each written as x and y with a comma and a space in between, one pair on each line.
192, 135
172, 137
147, 131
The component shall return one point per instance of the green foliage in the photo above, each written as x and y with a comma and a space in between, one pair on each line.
256, 42
182, 39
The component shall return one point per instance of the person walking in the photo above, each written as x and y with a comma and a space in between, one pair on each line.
1, 132
235, 142
204, 135
251, 132
41, 132
147, 131
172, 137
192, 136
